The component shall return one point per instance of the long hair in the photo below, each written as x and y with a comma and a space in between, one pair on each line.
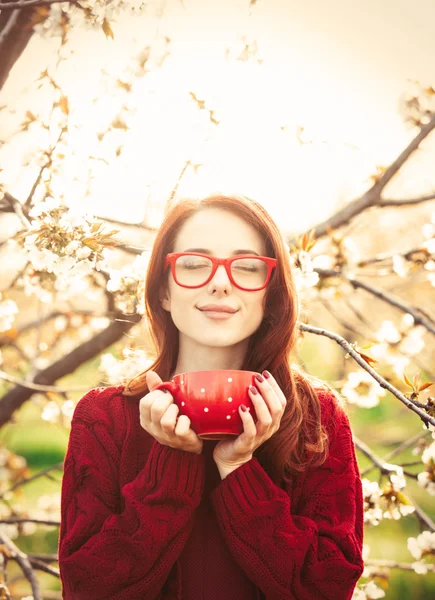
301, 440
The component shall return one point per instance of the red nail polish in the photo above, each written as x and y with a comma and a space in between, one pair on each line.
259, 378
243, 408
253, 389
266, 374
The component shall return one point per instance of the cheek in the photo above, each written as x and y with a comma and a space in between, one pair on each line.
255, 308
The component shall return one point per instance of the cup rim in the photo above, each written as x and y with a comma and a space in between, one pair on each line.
214, 371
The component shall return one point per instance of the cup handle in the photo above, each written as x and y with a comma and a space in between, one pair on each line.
167, 385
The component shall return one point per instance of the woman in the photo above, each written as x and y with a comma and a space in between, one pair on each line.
149, 510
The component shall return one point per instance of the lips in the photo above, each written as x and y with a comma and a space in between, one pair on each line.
217, 308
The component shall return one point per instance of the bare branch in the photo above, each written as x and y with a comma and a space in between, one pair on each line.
25, 480
408, 202
392, 564
14, 398
29, 3
42, 566
13, 520
12, 21
24, 563
386, 297
141, 225
403, 446
382, 382
16, 33
49, 162
373, 196
16, 207
41, 388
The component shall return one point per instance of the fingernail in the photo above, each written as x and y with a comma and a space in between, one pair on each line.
266, 374
243, 408
253, 389
259, 378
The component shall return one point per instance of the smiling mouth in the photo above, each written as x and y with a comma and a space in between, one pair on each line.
215, 314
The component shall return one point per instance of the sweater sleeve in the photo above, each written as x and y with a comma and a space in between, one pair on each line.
315, 554
122, 543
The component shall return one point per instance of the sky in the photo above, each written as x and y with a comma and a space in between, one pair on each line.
329, 73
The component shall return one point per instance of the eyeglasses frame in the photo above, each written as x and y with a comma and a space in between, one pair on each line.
171, 258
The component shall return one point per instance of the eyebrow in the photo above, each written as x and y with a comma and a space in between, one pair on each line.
208, 251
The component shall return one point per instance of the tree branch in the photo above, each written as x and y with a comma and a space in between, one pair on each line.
14, 398
16, 31
373, 196
24, 563
29, 3
407, 202
386, 297
392, 564
382, 382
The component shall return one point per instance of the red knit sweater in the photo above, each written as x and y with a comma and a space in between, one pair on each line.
142, 521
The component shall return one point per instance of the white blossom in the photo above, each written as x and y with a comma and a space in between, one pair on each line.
51, 412
372, 496
118, 372
45, 206
361, 389
368, 591
8, 310
400, 266
420, 547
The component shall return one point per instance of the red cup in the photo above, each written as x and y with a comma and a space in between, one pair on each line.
211, 400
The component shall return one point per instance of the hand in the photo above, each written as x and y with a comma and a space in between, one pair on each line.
269, 404
158, 416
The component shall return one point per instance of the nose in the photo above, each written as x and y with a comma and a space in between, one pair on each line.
221, 276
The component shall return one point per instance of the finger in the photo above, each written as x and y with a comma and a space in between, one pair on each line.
159, 407
278, 391
145, 408
269, 395
168, 420
249, 432
264, 416
182, 426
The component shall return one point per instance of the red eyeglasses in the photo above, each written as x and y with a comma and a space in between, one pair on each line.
247, 272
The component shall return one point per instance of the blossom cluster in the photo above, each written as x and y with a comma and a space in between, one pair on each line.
88, 14
395, 346
8, 310
397, 504
119, 372
128, 284
426, 251
62, 247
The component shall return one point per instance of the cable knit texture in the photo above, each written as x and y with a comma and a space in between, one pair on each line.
143, 521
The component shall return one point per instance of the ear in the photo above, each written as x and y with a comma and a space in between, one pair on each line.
164, 300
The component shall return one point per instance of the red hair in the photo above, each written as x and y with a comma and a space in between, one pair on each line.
301, 440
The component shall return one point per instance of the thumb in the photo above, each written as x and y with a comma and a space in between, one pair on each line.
152, 380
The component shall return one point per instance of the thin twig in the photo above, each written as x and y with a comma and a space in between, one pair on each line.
42, 388
30, 3
406, 202
382, 382
25, 480
382, 295
23, 562
392, 564
373, 196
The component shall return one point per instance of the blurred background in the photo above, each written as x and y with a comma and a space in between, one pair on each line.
117, 111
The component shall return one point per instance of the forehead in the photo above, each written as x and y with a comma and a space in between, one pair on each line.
219, 230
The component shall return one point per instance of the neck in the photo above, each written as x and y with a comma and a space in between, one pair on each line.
198, 357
